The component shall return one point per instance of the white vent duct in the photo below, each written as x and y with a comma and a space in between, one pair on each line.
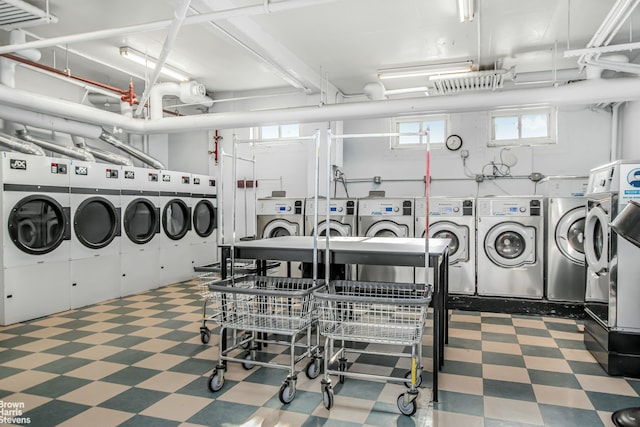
190, 92
578, 93
20, 146
98, 153
71, 152
133, 152
479, 80
20, 14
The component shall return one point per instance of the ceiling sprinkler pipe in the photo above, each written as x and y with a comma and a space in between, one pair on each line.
133, 152
20, 146
71, 152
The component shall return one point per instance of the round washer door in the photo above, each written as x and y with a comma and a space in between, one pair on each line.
336, 228
388, 229
596, 249
204, 218
140, 221
37, 224
510, 244
96, 222
570, 235
176, 219
459, 236
280, 228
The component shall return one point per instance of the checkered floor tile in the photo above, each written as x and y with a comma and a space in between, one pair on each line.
139, 361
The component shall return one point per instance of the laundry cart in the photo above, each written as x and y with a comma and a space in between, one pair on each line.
211, 274
260, 306
373, 313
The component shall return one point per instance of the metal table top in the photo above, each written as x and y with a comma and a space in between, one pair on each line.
344, 250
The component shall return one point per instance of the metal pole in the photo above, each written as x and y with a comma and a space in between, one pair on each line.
327, 261
233, 206
316, 187
221, 194
255, 196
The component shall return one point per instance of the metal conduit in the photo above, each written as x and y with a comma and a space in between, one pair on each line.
71, 152
133, 152
20, 146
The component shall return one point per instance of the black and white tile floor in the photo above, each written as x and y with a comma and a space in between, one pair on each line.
138, 361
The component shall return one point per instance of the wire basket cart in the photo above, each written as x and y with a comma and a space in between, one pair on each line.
373, 312
210, 274
263, 305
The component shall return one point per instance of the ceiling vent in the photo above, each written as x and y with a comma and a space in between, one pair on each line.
19, 14
466, 82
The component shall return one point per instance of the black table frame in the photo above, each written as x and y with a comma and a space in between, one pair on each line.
438, 261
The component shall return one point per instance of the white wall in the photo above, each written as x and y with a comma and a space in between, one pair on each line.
189, 152
630, 131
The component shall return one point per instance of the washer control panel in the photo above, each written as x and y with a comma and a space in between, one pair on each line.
385, 207
509, 207
337, 207
279, 207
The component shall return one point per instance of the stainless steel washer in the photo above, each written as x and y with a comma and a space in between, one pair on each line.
564, 243
510, 246
385, 217
343, 222
277, 217
451, 218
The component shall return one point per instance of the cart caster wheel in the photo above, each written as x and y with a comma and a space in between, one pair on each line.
287, 392
246, 336
247, 365
408, 409
216, 381
342, 366
313, 369
205, 335
327, 396
408, 383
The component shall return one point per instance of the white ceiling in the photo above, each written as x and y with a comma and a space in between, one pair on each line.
345, 41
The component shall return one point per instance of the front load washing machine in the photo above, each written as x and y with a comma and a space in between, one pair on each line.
454, 219
612, 324
204, 207
510, 246
277, 217
385, 217
95, 234
175, 205
36, 217
139, 245
564, 243
343, 222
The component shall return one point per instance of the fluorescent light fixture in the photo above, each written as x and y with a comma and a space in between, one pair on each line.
466, 9
146, 61
425, 70
406, 90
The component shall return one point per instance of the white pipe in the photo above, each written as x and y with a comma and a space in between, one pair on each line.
159, 25
178, 18
71, 152
603, 49
614, 65
578, 93
615, 123
548, 76
189, 92
44, 121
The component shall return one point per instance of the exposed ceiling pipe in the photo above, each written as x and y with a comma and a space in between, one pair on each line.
189, 92
578, 93
134, 152
179, 16
56, 124
258, 9
71, 152
107, 156
548, 76
20, 146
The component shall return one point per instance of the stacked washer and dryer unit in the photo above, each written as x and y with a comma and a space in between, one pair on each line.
96, 231
174, 245
612, 325
36, 242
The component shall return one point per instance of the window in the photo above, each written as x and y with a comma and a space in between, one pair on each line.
432, 129
523, 127
276, 132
